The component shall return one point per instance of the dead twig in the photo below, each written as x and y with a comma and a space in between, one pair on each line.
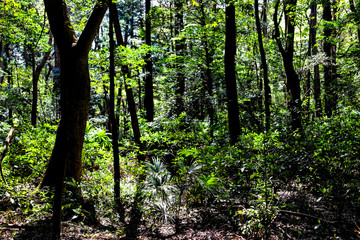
306, 215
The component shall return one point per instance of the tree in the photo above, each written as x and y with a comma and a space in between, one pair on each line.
330, 64
264, 65
131, 229
287, 53
113, 120
180, 51
149, 91
127, 75
208, 79
74, 99
74, 87
230, 75
312, 51
36, 74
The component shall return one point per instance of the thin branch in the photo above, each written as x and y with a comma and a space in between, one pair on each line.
306, 215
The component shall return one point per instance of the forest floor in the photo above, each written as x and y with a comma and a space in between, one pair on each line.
319, 219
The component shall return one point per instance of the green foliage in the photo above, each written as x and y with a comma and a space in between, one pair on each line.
30, 151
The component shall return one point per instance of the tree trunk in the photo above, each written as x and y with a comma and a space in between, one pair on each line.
230, 75
75, 98
267, 96
149, 92
313, 51
36, 75
179, 65
292, 78
329, 66
114, 122
264, 18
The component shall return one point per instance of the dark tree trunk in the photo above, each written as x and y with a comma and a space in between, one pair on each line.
329, 66
114, 122
292, 78
179, 49
230, 75
75, 98
312, 52
36, 75
74, 89
149, 92
267, 96
264, 19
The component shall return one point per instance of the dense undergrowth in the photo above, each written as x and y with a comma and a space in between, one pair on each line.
312, 177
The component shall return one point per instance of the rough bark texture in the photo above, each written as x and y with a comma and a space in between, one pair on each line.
230, 75
267, 96
149, 91
287, 53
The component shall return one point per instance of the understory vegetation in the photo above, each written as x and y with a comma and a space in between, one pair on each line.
258, 187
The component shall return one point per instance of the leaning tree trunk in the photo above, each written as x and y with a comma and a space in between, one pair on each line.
127, 74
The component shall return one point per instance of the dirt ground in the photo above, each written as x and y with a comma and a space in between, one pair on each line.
317, 220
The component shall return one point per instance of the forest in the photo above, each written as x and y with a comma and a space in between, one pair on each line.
175, 119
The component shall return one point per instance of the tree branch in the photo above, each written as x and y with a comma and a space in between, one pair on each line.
115, 19
277, 31
88, 34
60, 23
